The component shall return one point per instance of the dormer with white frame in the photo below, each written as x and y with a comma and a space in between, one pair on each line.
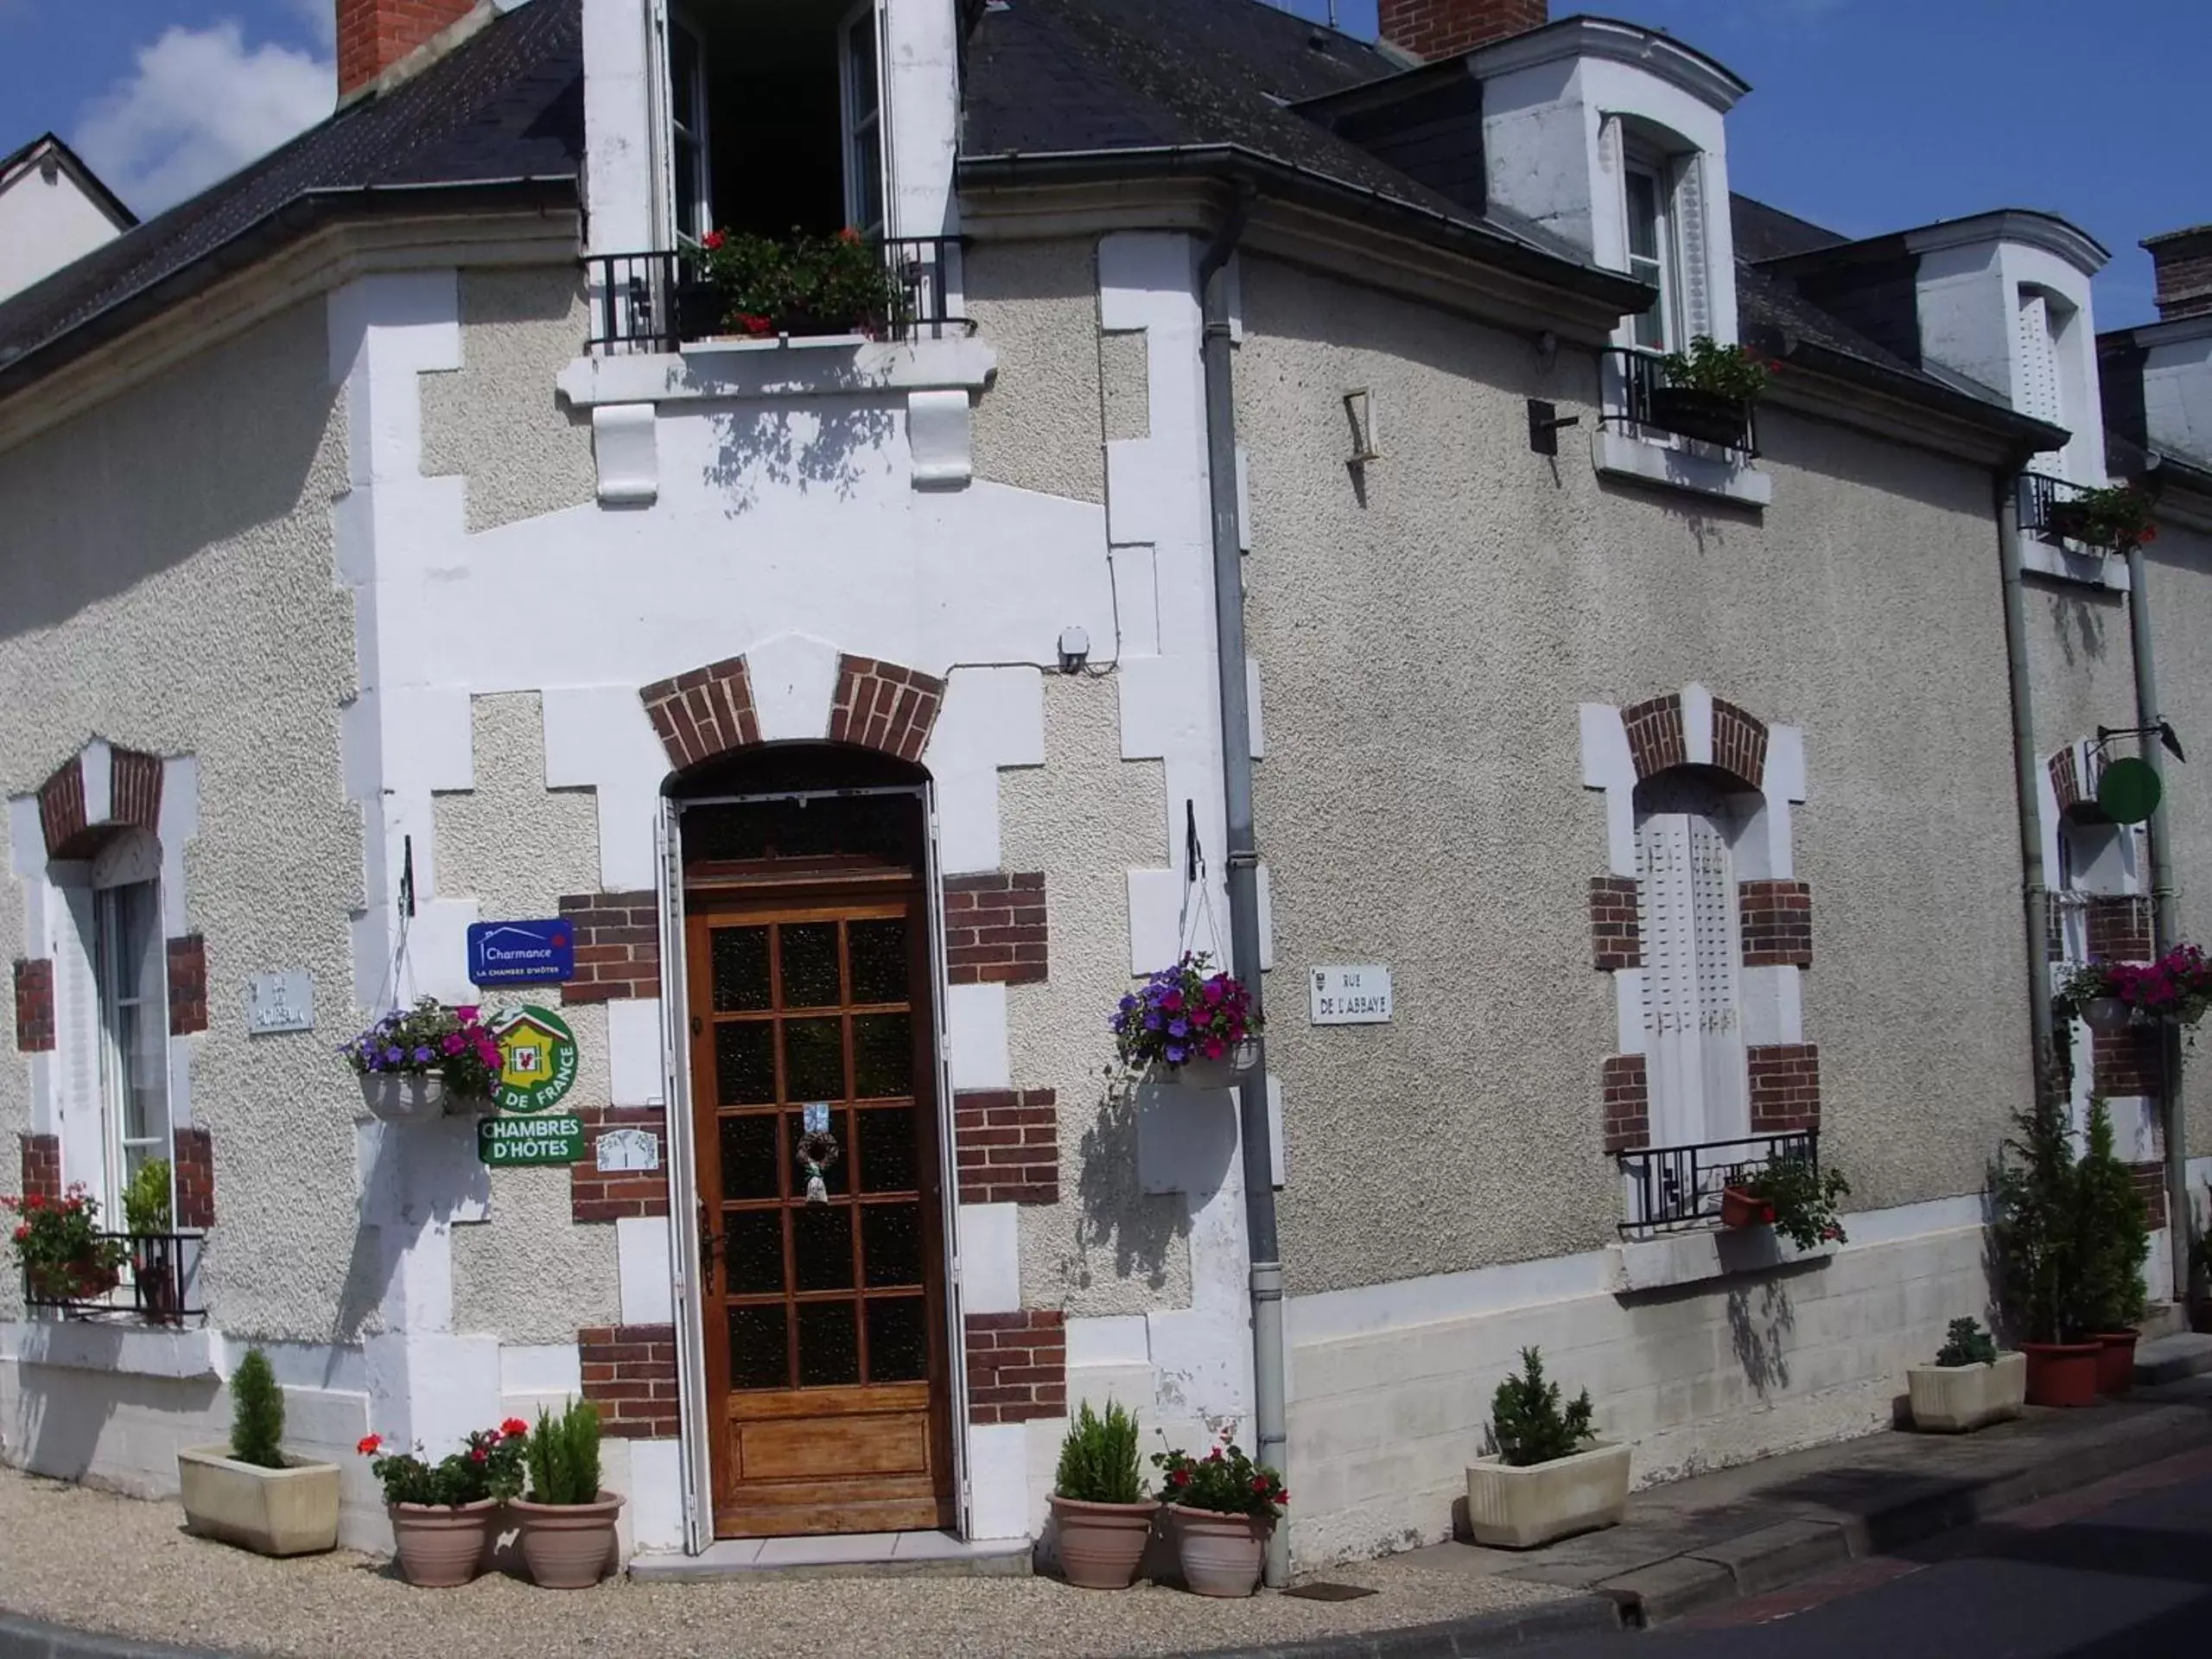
1614, 138
2004, 297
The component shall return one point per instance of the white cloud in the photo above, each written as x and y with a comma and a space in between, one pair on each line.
199, 107
322, 18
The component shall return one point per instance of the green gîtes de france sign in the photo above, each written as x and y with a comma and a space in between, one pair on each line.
2129, 791
537, 1054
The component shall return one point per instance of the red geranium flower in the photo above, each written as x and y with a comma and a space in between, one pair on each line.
369, 1445
1179, 1477
513, 1427
711, 240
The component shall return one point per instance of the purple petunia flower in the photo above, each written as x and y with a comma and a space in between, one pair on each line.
1177, 1054
1178, 1028
391, 1057
1152, 1021
422, 1056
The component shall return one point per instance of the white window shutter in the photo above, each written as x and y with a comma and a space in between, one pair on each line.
1690, 246
1693, 1032
1721, 1036
2039, 394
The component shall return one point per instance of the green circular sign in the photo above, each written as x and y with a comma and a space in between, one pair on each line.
538, 1059
2129, 791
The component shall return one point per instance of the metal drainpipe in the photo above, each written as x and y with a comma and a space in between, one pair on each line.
2163, 925
1244, 858
2035, 896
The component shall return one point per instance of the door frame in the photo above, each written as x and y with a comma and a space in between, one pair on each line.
694, 1410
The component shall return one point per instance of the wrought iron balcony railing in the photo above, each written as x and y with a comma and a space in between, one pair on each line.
2048, 509
1673, 1189
658, 301
158, 1281
1645, 399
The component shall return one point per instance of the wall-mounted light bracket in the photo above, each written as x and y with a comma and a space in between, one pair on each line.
1359, 410
2164, 730
1544, 423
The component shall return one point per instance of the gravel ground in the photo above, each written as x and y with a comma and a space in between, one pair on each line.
97, 1562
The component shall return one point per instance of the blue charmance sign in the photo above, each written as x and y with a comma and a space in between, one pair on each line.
522, 953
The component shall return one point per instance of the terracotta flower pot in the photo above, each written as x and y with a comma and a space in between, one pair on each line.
1221, 1554
567, 1546
1101, 1544
2115, 1361
2062, 1373
439, 1547
1739, 1209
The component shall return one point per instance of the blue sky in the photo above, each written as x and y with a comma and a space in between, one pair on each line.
1865, 115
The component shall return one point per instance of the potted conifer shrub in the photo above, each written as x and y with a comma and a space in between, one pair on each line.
252, 1492
2038, 1237
1970, 1384
1099, 1508
1547, 1476
2114, 1229
1224, 1506
444, 1514
567, 1538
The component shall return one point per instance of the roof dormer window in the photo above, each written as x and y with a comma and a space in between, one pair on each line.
1653, 257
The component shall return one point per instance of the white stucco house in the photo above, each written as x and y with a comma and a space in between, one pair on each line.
1245, 520
52, 209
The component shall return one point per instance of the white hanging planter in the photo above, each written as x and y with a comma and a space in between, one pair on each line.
2106, 1015
406, 1096
1224, 1073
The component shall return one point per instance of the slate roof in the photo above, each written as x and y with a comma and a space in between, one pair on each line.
505, 106
92, 184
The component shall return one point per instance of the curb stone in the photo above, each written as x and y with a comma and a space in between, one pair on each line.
27, 1638
1458, 1639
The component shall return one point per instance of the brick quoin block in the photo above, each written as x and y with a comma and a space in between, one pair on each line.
135, 786
1740, 743
2129, 1062
188, 964
1017, 1366
1785, 1081
41, 1156
1444, 28
61, 805
616, 944
193, 1156
629, 1375
373, 35
35, 1005
2150, 1182
994, 928
1007, 1143
1777, 924
2119, 927
2065, 779
1615, 939
882, 706
704, 713
1628, 1103
1655, 734
134, 802
618, 1195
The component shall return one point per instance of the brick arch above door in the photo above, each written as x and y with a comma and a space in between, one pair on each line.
711, 710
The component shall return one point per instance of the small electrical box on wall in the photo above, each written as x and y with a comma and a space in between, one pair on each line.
1544, 423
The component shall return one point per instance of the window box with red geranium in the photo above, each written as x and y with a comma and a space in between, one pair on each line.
64, 1255
746, 286
2114, 518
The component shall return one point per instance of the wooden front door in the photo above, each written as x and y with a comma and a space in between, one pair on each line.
827, 1386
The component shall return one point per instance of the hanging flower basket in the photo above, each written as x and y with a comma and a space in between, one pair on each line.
2105, 1015
2177, 987
1187, 1026
425, 1062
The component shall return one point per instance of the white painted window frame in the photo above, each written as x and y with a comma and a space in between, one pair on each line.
674, 22
863, 137
1663, 266
118, 1065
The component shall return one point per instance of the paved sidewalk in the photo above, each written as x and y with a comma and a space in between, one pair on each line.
1740, 1532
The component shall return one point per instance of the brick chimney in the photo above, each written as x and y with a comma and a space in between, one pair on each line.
1444, 28
2183, 260
373, 35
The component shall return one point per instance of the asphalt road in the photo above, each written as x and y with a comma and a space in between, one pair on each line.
2120, 1569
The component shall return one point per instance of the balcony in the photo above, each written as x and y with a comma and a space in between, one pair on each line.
1677, 1188
658, 302
157, 1284
1647, 401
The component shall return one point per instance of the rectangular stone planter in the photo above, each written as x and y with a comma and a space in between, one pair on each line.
1519, 1508
1954, 1399
287, 1511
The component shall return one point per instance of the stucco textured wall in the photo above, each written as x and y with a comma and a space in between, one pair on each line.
1421, 800
1036, 304
2178, 569
495, 421
2081, 671
1086, 817
169, 582
528, 1272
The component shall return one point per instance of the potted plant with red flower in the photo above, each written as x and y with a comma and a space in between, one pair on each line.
2113, 517
1189, 1026
800, 285
1792, 1195
1223, 1507
444, 1514
1708, 392
65, 1257
420, 1062
2112, 995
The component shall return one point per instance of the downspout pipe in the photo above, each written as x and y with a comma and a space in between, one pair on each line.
1243, 855
2035, 895
2164, 924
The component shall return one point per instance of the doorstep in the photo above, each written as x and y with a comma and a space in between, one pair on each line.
845, 1555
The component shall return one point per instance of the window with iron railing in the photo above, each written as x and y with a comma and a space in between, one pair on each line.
1676, 1189
659, 302
1639, 396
